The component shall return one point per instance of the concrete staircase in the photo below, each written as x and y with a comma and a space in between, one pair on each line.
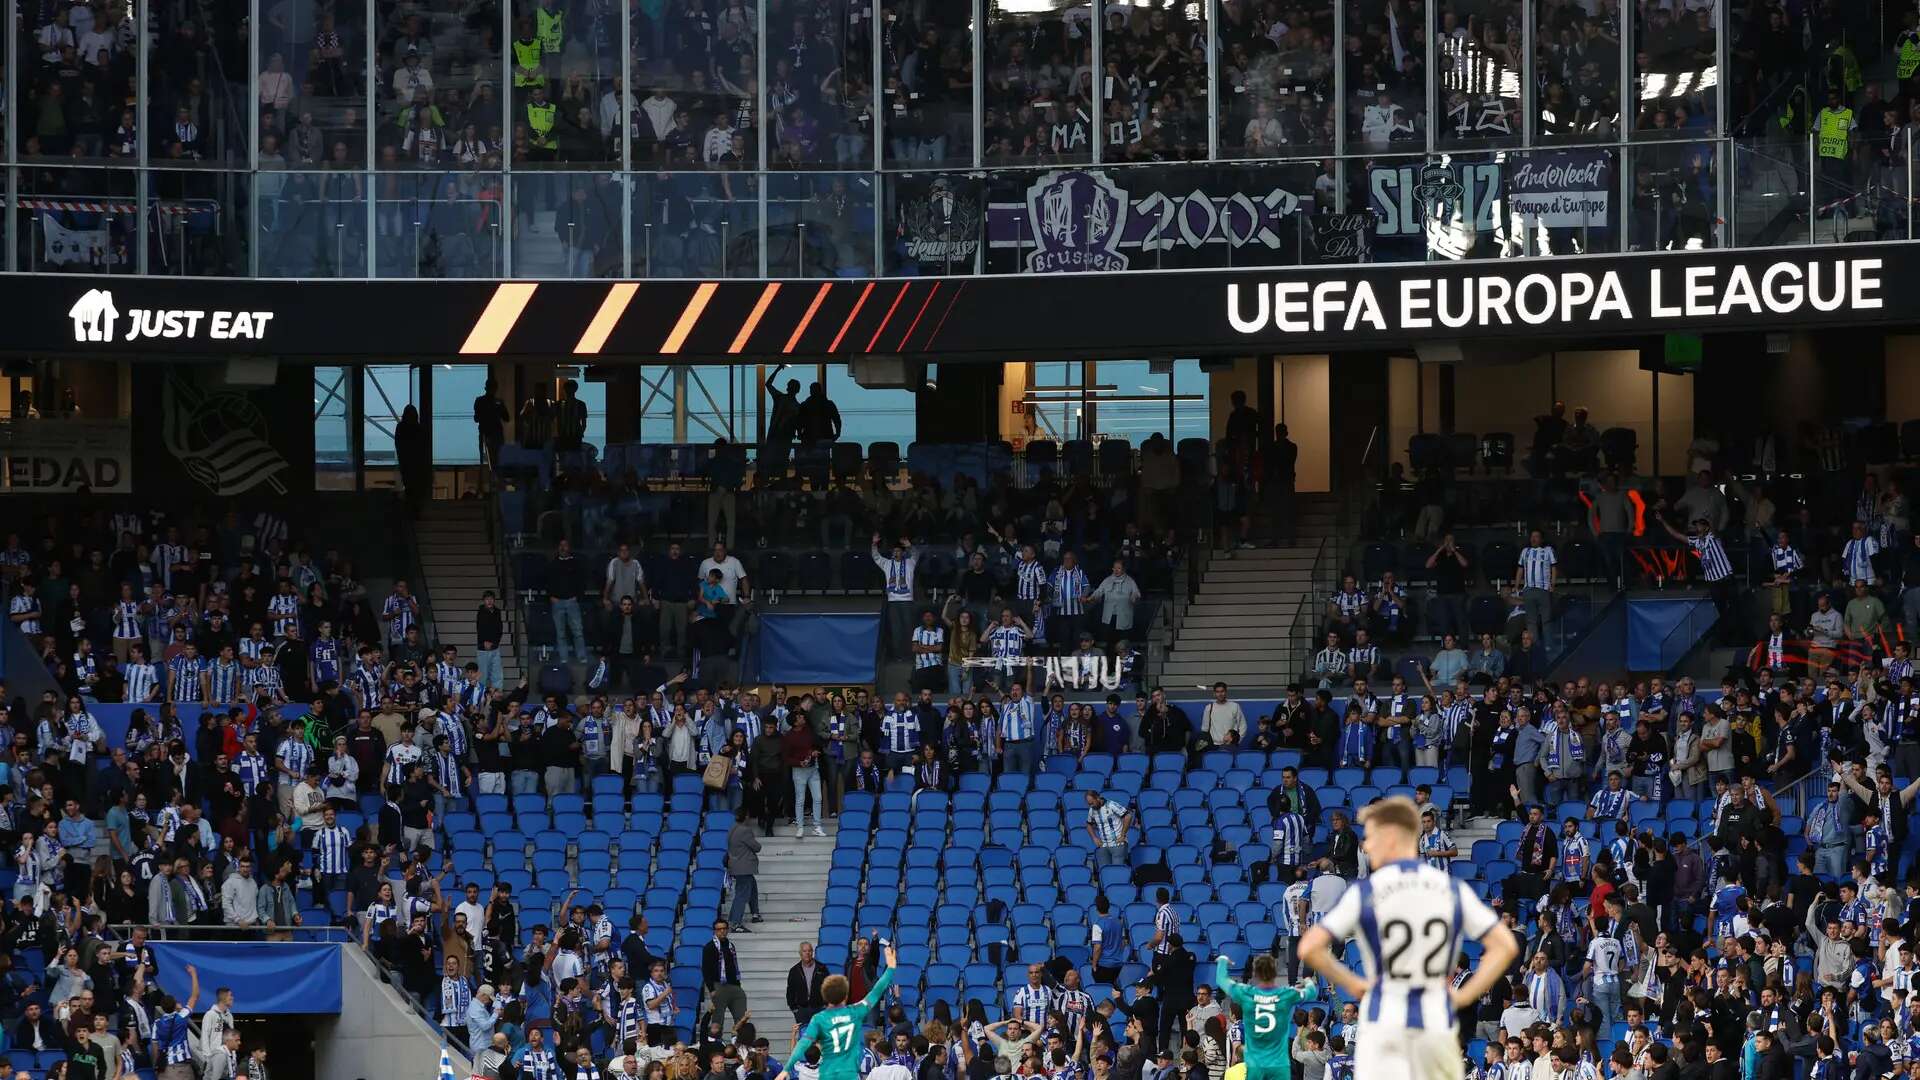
793, 884
457, 558
1237, 626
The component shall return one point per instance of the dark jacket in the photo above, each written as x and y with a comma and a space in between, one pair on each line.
710, 965
804, 993
51, 1035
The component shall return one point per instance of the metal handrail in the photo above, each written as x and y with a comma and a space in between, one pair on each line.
510, 614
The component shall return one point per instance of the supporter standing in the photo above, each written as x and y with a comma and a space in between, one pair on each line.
565, 583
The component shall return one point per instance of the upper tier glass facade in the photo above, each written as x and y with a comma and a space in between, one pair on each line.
855, 138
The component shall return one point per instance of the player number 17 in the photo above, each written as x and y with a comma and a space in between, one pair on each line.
840, 1037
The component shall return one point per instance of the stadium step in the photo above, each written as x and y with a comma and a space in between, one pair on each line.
457, 559
792, 880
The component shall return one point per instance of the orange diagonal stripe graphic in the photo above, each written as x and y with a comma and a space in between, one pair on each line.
488, 334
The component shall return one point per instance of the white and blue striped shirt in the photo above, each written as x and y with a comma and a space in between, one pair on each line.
1069, 590
330, 844
1007, 642
285, 609
223, 681
22, 605
1713, 557
1536, 567
1856, 558
1786, 560
1018, 720
1290, 903
126, 621
901, 730
929, 635
1030, 1003
143, 681
183, 678
1166, 923
1030, 579
1547, 993
251, 767
1290, 839
296, 755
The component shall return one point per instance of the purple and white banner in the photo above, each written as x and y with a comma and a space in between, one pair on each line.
1083, 219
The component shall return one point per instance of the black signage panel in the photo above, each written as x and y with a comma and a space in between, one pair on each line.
1199, 312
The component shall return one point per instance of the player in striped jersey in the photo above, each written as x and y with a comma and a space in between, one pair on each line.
1410, 920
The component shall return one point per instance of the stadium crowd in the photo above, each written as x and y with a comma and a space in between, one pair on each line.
303, 757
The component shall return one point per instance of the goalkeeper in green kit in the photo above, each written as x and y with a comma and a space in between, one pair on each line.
1266, 1017
836, 1029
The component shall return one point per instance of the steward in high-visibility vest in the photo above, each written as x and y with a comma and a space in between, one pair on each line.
541, 115
1908, 50
528, 55
550, 27
1833, 127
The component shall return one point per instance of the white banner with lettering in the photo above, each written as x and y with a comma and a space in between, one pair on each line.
39, 457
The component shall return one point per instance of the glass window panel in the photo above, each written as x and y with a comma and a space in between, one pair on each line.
312, 89
77, 221
312, 224
696, 98
1154, 89
1039, 90
332, 429
695, 224
386, 390
199, 93
926, 58
1675, 70
1385, 60
656, 403
440, 224
566, 62
76, 69
718, 405
868, 415
820, 83
455, 440
1276, 80
199, 223
1191, 387
566, 225
1770, 65
1144, 408
1675, 197
1576, 49
1478, 63
820, 225
1054, 409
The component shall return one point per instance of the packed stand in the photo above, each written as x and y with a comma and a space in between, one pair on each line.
1068, 544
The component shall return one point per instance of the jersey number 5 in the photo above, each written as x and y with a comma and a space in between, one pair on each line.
1398, 936
1266, 1017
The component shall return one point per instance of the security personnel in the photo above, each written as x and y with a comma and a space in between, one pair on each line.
1832, 128
550, 26
528, 56
541, 115
1909, 49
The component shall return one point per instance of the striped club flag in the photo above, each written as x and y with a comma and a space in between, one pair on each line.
446, 1066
